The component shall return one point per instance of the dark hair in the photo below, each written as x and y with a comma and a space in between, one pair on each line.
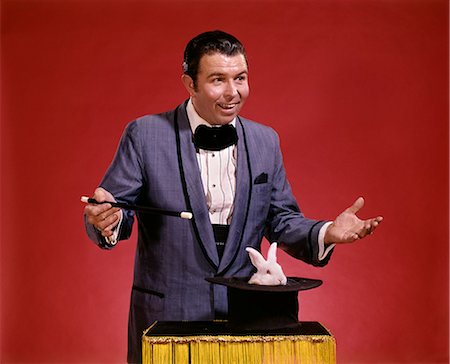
214, 41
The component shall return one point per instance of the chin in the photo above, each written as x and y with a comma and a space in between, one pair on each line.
222, 121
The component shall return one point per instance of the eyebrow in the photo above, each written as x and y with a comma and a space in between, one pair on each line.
219, 74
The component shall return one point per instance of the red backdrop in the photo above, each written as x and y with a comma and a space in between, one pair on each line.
358, 91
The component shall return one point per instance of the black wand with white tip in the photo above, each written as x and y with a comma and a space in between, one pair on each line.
151, 210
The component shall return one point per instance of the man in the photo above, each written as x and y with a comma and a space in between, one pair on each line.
235, 188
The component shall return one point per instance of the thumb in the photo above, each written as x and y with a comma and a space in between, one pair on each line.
101, 195
357, 205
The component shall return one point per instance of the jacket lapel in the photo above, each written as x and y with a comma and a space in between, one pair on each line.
200, 222
241, 203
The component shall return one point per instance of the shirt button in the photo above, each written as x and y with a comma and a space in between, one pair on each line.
213, 186
213, 155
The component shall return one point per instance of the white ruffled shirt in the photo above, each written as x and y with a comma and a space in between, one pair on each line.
218, 171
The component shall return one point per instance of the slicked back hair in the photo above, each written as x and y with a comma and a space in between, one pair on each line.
211, 42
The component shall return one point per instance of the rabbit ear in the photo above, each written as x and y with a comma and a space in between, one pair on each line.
256, 257
272, 254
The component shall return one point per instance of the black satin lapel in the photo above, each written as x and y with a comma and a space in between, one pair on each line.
241, 203
201, 223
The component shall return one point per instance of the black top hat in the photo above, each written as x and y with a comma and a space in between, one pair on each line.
263, 308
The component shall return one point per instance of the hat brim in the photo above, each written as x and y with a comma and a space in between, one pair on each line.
293, 284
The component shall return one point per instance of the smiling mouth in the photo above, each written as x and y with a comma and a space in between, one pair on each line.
228, 106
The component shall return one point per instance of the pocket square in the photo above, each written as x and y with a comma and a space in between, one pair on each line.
262, 178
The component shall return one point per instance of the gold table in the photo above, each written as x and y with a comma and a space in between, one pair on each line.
212, 342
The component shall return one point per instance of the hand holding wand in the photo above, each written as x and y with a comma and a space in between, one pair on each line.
151, 210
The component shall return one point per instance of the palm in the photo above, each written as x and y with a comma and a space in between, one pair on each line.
347, 227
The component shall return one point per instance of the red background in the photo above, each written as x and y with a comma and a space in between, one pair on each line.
358, 91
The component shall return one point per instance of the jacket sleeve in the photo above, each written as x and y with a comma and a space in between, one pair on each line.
286, 224
124, 180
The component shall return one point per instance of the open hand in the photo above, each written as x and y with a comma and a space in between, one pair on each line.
347, 227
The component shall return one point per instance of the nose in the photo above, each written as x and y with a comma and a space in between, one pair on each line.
230, 90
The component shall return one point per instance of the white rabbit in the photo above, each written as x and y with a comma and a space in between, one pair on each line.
269, 272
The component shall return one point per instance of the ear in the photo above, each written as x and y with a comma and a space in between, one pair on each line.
256, 257
188, 83
272, 254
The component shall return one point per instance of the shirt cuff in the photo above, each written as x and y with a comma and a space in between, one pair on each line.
323, 251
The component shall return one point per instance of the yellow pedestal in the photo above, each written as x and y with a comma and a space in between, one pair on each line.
211, 343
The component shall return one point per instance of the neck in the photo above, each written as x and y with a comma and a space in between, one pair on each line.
195, 119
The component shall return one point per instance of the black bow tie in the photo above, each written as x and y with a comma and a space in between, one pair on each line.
216, 138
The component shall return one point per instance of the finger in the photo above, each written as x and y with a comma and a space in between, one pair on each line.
108, 216
369, 227
348, 236
109, 212
362, 233
107, 233
95, 210
352, 237
357, 205
373, 226
108, 223
365, 232
92, 213
100, 212
109, 230
116, 219
96, 213
376, 220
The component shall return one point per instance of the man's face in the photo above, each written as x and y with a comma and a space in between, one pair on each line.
222, 87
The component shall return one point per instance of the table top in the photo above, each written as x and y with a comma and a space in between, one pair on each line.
219, 328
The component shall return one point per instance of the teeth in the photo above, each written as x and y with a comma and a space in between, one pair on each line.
227, 106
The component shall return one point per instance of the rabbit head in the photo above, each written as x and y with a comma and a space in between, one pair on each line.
269, 273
